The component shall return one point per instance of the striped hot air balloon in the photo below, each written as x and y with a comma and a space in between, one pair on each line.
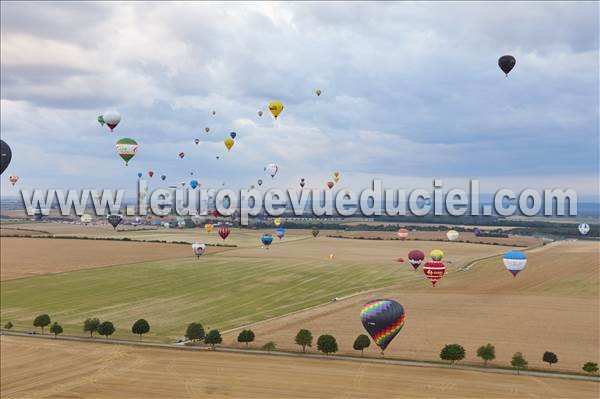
402, 234
515, 261
266, 240
224, 231
383, 319
434, 270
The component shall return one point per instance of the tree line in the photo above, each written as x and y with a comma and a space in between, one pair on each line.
326, 343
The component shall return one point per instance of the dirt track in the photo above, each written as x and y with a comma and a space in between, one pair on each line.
51, 369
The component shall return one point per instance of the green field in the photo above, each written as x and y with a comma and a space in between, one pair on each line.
219, 292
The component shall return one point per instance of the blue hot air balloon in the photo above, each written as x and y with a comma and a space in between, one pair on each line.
232, 135
140, 175
193, 184
515, 261
280, 232
266, 239
477, 231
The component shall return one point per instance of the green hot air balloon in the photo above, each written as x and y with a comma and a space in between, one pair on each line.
101, 120
126, 148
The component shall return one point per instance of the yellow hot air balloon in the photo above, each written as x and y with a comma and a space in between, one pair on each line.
277, 221
436, 254
208, 227
275, 107
318, 92
229, 143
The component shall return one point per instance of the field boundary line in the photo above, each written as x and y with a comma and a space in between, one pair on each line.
257, 352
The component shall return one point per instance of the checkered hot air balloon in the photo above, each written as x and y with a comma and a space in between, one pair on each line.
383, 319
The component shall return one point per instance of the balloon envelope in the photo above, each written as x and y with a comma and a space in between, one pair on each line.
436, 254
111, 118
507, 63
193, 183
584, 228
266, 239
383, 319
275, 107
232, 135
452, 235
126, 148
272, 169
416, 257
208, 227
434, 270
198, 248
515, 261
315, 232
5, 156
114, 220
402, 234
224, 232
280, 232
477, 231
228, 143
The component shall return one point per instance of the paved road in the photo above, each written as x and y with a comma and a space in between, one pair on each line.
410, 363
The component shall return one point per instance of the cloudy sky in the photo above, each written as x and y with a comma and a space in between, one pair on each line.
411, 92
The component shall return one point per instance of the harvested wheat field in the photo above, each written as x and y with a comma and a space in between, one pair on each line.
55, 369
26, 257
551, 305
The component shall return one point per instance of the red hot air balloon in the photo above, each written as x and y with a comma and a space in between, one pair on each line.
150, 173
416, 257
434, 270
330, 184
224, 232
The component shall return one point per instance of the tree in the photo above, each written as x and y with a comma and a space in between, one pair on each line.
590, 367
327, 344
304, 338
91, 326
519, 362
8, 325
361, 342
550, 358
246, 336
140, 327
56, 329
194, 331
487, 353
452, 352
269, 346
212, 338
41, 321
106, 328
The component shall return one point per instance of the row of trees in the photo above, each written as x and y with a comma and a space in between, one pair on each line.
325, 343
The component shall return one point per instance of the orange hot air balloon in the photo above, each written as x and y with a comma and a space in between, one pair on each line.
13, 179
402, 234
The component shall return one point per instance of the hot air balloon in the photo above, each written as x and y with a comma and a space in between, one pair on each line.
452, 235
275, 107
126, 148
437, 254
318, 92
336, 176
280, 232
477, 231
232, 135
207, 129
5, 156
163, 177
150, 173
260, 182
13, 179
208, 227
266, 239
331, 256
197, 141
100, 120
181, 155
434, 270
112, 119
114, 220
272, 169
217, 157
315, 232
214, 112
302, 183
193, 184
252, 186
416, 257
85, 219
584, 228
140, 175
277, 221
228, 143
224, 231
330, 184
515, 261
198, 249
383, 319
402, 234
507, 63
260, 113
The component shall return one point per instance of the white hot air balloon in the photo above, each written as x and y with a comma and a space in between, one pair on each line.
198, 248
272, 169
515, 261
112, 119
452, 235
584, 228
